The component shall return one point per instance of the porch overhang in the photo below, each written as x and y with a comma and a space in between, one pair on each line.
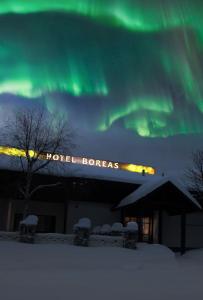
162, 195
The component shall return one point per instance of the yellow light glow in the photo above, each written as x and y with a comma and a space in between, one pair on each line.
79, 160
15, 152
139, 169
12, 151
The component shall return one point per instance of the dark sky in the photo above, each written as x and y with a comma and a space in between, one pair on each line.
126, 74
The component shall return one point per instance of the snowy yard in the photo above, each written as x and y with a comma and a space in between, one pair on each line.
68, 272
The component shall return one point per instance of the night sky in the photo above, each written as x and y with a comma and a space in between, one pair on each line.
128, 74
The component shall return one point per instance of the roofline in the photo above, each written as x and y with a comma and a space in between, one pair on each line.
162, 182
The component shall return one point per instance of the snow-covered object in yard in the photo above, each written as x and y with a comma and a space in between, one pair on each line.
117, 228
83, 223
151, 186
96, 230
131, 227
28, 229
30, 220
130, 235
75, 226
106, 229
82, 232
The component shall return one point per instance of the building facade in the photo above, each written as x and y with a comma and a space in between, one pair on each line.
165, 211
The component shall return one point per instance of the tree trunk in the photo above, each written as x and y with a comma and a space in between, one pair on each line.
27, 195
26, 209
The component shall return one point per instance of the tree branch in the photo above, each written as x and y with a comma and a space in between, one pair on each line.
39, 187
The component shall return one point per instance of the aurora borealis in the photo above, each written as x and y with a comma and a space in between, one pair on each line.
136, 65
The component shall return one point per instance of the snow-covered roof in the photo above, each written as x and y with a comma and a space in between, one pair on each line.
109, 174
91, 172
152, 185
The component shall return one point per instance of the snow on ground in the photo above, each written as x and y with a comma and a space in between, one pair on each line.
62, 272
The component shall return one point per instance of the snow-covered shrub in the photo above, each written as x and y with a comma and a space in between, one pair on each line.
106, 229
84, 223
96, 230
131, 227
117, 228
28, 229
30, 220
82, 232
131, 235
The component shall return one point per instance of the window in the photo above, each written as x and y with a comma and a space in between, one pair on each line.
144, 226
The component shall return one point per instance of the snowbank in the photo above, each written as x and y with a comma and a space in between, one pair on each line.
67, 272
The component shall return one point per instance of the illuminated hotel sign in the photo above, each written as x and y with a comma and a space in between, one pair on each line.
80, 160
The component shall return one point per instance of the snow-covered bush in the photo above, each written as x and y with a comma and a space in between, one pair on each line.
106, 229
117, 228
30, 220
82, 232
84, 223
131, 227
28, 229
96, 230
131, 235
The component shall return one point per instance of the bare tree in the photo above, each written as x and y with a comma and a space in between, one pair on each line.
37, 133
195, 173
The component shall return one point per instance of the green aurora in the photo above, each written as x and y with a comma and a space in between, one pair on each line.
144, 15
139, 62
